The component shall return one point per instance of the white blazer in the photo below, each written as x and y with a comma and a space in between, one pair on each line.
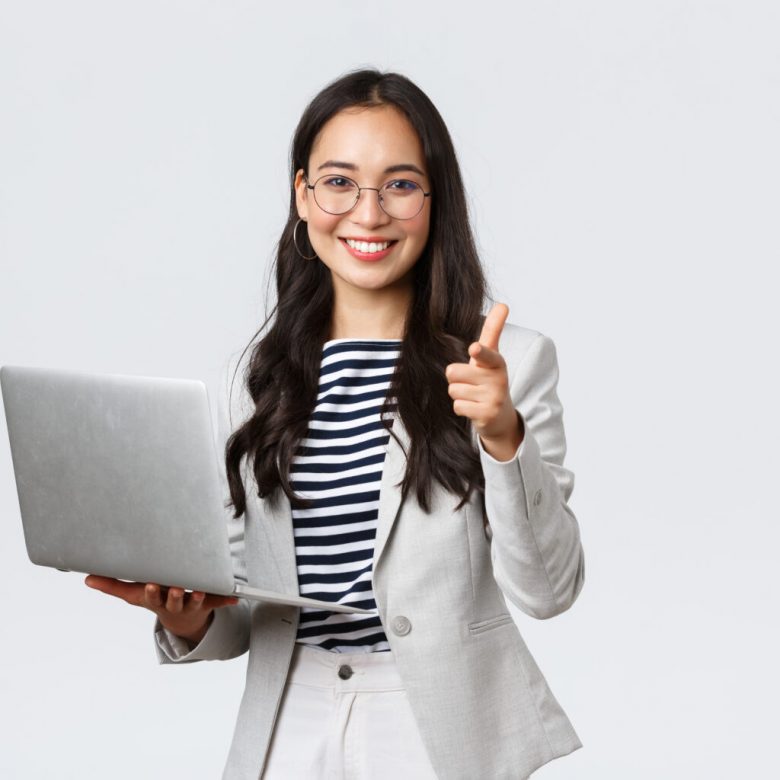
482, 705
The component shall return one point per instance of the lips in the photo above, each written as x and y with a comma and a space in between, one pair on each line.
369, 256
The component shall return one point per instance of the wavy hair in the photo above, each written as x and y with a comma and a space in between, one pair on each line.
443, 319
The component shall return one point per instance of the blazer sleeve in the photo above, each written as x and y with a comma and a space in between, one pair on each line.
228, 635
537, 556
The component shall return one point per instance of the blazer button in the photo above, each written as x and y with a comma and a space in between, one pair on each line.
345, 672
401, 625
537, 498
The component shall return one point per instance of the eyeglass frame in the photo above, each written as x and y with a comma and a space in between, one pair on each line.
359, 190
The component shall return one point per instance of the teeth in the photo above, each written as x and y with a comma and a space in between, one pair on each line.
364, 246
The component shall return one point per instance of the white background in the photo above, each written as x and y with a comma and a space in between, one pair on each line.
622, 165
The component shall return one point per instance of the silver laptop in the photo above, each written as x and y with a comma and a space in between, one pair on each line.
118, 476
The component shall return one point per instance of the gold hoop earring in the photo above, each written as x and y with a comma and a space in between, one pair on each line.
295, 241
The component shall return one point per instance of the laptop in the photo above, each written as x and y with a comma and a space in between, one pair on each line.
119, 476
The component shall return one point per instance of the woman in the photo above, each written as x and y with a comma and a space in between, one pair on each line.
392, 449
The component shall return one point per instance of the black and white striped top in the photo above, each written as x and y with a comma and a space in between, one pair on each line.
339, 466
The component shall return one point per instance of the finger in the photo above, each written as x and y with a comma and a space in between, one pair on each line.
194, 601
466, 392
485, 356
471, 409
152, 596
493, 325
96, 581
175, 601
468, 373
131, 592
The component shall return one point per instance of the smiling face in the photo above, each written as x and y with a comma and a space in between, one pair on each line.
372, 146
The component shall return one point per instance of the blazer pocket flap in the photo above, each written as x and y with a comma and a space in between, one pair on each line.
494, 622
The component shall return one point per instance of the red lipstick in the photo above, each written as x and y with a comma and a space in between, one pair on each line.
369, 256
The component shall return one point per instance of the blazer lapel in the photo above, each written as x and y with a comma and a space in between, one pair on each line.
389, 495
280, 550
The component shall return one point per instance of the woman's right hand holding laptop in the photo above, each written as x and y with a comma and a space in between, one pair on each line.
187, 615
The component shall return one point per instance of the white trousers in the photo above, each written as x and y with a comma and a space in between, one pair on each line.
345, 716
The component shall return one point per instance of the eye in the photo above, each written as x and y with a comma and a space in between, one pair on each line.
401, 186
337, 182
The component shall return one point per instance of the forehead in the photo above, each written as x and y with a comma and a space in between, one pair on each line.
369, 138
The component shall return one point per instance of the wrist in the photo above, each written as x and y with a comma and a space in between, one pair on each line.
504, 447
196, 636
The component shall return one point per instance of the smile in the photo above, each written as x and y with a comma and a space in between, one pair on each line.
368, 246
368, 250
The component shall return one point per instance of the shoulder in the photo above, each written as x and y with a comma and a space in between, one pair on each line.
516, 339
530, 355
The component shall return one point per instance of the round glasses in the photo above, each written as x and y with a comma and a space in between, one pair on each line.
399, 198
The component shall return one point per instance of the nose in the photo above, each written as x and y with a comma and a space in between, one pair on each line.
367, 210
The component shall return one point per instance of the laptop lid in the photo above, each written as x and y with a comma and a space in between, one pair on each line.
117, 475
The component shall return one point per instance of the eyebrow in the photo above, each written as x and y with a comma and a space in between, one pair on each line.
352, 167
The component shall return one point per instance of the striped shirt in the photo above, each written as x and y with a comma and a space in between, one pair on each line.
339, 466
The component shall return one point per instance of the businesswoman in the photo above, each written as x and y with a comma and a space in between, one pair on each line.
388, 447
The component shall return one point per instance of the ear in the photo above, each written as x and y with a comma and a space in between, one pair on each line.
301, 195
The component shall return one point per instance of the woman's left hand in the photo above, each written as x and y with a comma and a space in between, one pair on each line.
480, 389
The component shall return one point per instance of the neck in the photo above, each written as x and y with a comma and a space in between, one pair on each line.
369, 314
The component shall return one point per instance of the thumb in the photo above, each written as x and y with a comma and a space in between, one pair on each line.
493, 325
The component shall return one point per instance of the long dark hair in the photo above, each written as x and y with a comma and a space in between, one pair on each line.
443, 319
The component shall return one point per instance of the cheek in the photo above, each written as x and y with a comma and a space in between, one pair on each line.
323, 223
420, 228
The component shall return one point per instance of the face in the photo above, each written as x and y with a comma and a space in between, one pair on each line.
363, 143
